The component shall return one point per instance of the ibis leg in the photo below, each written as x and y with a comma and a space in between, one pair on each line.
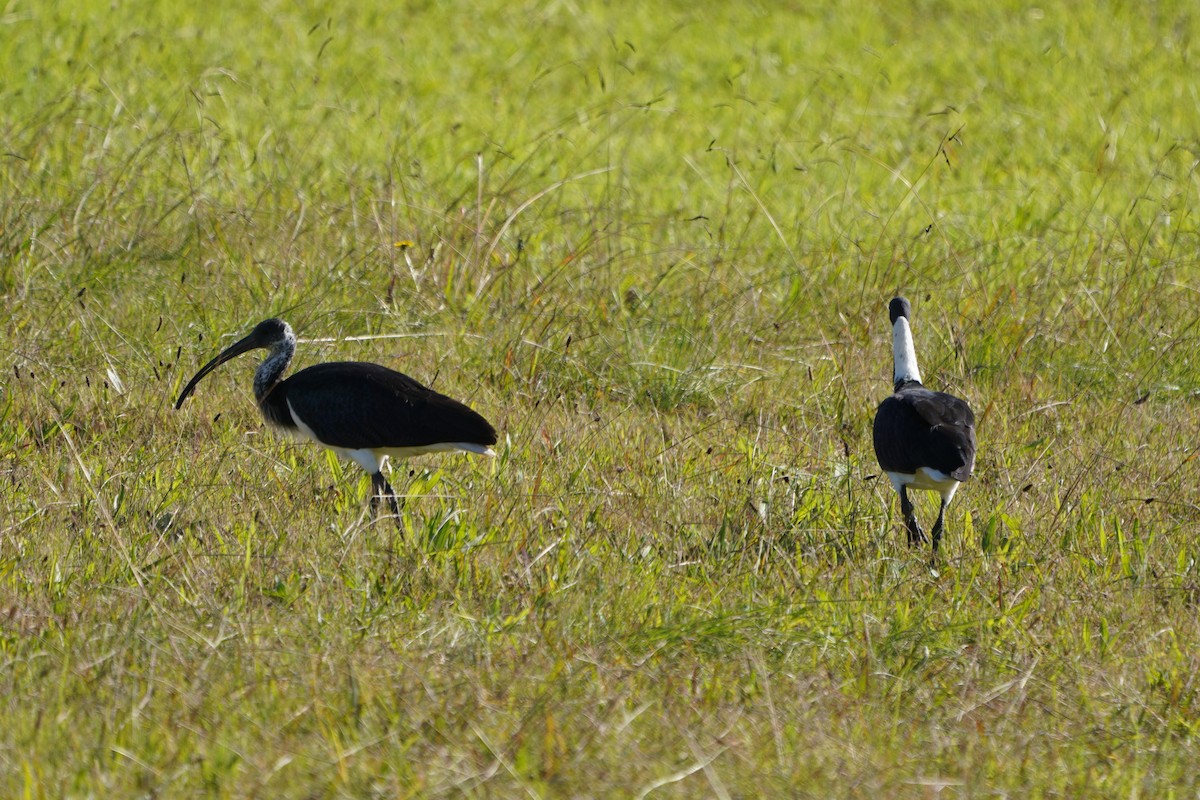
915, 534
937, 526
381, 488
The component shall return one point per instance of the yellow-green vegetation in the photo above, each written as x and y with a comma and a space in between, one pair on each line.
653, 243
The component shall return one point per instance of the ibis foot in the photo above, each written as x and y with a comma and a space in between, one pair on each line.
381, 488
916, 536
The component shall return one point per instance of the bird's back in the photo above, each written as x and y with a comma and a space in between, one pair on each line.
355, 405
918, 427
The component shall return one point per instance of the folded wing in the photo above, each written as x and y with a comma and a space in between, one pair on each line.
356, 405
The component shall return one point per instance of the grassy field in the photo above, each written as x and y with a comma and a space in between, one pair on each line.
653, 243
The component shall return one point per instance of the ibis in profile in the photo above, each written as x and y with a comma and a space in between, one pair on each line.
363, 412
923, 439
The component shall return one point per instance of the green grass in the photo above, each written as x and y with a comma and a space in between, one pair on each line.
653, 243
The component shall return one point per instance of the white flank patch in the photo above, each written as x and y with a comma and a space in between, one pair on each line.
437, 447
303, 430
931, 480
369, 460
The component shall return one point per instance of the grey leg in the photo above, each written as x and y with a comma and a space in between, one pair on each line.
381, 488
915, 534
937, 526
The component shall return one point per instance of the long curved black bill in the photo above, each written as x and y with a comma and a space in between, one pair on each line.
251, 342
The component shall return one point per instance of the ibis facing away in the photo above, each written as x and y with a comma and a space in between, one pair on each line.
363, 412
923, 439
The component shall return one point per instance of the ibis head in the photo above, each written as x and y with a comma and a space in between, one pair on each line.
272, 334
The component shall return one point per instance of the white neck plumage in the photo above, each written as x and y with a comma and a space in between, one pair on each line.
904, 355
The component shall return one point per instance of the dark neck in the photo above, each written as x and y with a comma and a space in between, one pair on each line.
272, 368
905, 383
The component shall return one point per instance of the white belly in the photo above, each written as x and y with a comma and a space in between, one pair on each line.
931, 480
372, 460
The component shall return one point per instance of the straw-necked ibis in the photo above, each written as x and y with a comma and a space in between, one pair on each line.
923, 439
363, 412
